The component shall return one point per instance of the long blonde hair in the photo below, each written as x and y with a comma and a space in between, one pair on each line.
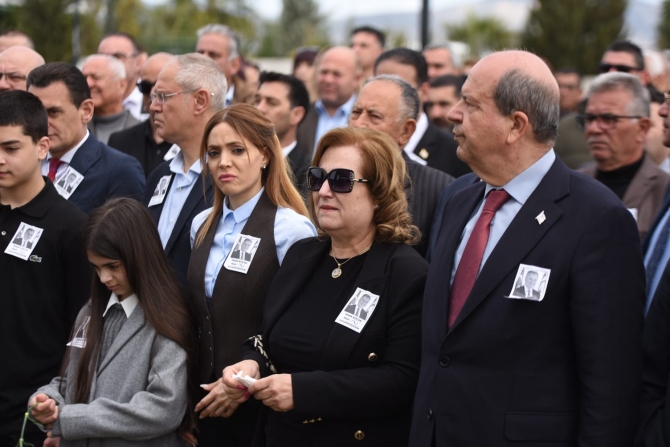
251, 125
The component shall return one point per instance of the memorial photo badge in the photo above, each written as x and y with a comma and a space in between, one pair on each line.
530, 283
67, 183
242, 254
161, 191
24, 241
358, 310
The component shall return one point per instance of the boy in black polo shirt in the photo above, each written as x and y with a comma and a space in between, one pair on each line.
45, 274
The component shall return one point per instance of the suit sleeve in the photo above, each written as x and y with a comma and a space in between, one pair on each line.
386, 389
151, 413
127, 179
606, 304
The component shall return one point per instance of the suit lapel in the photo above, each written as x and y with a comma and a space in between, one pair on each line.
195, 197
87, 155
639, 186
523, 233
371, 278
132, 325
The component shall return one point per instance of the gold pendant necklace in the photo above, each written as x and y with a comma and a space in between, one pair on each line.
337, 272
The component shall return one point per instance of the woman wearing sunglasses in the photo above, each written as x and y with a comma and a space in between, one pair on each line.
342, 317
238, 246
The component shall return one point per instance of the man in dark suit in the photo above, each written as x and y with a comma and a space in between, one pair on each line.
242, 252
497, 371
428, 145
526, 290
142, 141
284, 100
107, 173
391, 105
183, 122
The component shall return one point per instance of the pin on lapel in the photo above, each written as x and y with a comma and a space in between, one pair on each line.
541, 218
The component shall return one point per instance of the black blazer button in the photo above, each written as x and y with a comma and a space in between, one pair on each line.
372, 357
359, 435
444, 361
430, 414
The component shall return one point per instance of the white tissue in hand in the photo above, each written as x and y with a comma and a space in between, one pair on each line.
244, 379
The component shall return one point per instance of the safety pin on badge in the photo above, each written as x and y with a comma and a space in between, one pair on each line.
541, 218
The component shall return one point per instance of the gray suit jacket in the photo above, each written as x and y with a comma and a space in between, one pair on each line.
138, 396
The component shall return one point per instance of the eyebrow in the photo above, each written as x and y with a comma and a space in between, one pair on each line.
8, 142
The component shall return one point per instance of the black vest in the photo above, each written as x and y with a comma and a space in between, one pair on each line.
236, 309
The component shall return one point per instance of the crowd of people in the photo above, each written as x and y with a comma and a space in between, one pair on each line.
381, 248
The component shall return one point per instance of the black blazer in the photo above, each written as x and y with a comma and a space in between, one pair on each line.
564, 371
107, 173
354, 390
133, 141
299, 161
440, 148
178, 247
307, 131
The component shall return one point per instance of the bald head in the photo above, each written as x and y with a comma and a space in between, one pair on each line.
16, 62
12, 38
149, 76
338, 77
508, 116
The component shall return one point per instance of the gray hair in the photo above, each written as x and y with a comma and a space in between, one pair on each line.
116, 67
409, 98
222, 30
197, 71
608, 82
519, 92
442, 46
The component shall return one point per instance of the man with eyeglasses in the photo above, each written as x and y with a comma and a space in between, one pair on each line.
189, 90
616, 122
124, 47
143, 141
15, 64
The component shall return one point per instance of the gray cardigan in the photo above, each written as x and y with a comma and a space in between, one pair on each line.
138, 395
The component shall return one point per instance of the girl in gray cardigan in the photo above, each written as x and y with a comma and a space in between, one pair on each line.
124, 379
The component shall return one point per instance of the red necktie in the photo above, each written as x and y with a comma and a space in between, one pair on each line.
54, 163
468, 268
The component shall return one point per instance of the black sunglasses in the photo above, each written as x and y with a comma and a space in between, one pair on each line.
145, 87
605, 68
339, 180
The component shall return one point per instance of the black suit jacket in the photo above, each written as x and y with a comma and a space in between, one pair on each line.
299, 161
657, 220
307, 131
353, 390
133, 141
107, 173
522, 372
423, 196
438, 148
178, 247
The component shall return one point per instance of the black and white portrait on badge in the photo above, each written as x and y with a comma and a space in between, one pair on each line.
530, 283
358, 310
161, 190
24, 241
242, 253
68, 182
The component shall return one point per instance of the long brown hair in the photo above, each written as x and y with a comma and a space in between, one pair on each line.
385, 169
251, 125
123, 229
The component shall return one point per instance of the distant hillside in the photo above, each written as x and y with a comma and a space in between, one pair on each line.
641, 19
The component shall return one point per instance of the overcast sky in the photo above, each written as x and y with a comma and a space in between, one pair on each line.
343, 9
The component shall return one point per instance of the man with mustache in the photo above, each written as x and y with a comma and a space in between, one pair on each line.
616, 122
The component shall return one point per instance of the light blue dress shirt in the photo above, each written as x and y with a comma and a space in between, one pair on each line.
519, 188
176, 197
327, 122
289, 228
665, 257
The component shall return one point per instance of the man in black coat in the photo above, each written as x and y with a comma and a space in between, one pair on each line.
500, 371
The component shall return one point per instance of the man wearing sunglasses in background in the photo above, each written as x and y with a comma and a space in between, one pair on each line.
125, 48
616, 122
142, 141
15, 64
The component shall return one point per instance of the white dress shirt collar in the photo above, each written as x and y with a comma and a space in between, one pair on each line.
69, 155
229, 94
421, 127
287, 150
128, 305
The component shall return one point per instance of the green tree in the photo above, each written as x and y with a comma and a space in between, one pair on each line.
299, 24
574, 32
664, 26
481, 34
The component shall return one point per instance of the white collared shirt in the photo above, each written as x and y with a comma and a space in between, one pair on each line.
287, 150
421, 127
229, 94
66, 159
128, 305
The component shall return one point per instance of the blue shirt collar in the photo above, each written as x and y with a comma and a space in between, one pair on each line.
243, 212
343, 110
177, 165
523, 185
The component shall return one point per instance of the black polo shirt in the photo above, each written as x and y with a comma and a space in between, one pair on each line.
39, 297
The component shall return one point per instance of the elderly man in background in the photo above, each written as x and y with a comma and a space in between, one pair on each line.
125, 48
221, 44
13, 37
142, 141
440, 60
391, 105
106, 78
15, 64
616, 122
